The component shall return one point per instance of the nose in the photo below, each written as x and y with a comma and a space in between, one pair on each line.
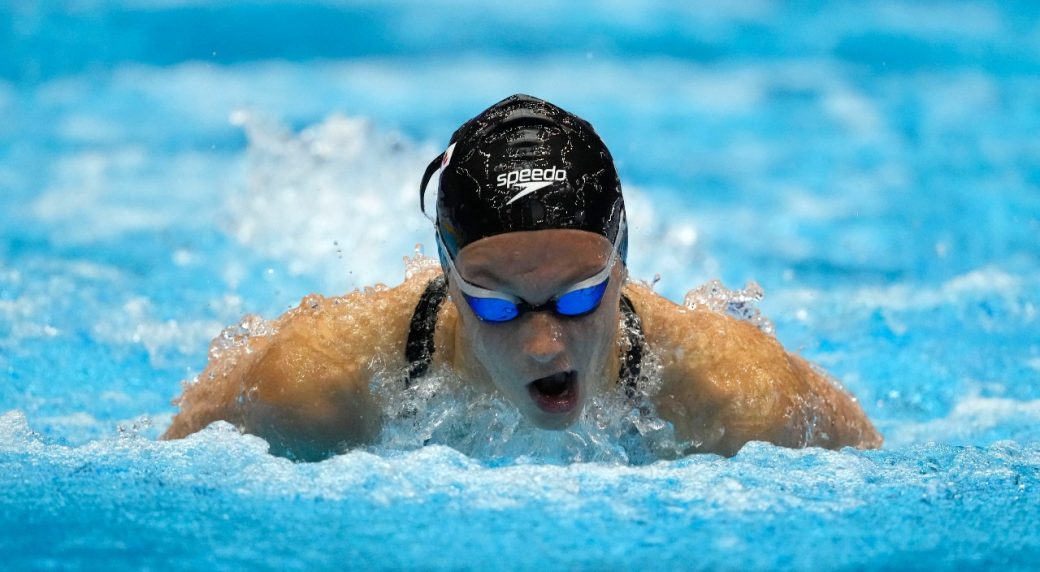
543, 337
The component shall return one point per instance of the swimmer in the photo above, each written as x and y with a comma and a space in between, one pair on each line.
531, 303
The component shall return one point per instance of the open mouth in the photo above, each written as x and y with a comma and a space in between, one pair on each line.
556, 393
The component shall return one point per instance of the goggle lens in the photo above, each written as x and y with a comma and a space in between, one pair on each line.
573, 303
581, 301
492, 309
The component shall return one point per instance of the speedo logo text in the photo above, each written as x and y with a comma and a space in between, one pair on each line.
530, 180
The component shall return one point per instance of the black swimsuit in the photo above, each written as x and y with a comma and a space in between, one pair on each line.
419, 348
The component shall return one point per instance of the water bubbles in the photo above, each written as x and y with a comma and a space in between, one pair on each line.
342, 181
740, 304
235, 338
418, 263
375, 289
313, 302
647, 424
133, 429
15, 432
441, 409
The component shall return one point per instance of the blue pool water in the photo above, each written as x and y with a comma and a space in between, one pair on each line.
168, 167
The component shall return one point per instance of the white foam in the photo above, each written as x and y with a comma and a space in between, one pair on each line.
441, 409
337, 200
101, 195
23, 315
979, 283
16, 435
134, 324
760, 480
665, 230
77, 200
968, 422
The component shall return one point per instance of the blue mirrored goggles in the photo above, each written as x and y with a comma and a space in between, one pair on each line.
494, 306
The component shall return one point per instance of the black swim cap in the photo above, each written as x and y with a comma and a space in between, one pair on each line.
525, 164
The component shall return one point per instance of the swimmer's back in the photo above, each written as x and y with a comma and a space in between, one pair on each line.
305, 388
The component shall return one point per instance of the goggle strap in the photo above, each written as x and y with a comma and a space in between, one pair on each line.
432, 168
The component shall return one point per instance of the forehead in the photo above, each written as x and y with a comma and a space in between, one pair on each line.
560, 254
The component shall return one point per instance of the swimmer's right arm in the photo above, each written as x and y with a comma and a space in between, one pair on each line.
726, 383
305, 388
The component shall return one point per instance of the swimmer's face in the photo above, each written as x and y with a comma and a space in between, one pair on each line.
545, 363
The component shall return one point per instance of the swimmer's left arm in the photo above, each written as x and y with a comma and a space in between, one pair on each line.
725, 382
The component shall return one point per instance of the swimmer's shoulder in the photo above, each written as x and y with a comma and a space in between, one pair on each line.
724, 381
698, 338
368, 325
306, 378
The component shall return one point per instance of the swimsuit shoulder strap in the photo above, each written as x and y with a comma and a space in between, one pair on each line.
631, 361
419, 348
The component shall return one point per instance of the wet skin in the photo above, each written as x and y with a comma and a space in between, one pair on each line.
306, 388
512, 356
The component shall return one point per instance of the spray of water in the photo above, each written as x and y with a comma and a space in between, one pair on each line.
740, 304
442, 409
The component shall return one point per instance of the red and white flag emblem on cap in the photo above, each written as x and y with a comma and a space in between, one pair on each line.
447, 155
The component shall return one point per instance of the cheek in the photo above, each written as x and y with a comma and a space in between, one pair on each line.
600, 334
493, 345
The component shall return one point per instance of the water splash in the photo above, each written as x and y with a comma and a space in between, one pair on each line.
618, 427
740, 304
338, 198
418, 263
440, 410
233, 343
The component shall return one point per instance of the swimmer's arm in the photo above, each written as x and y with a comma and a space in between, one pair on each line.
292, 388
814, 412
305, 388
726, 383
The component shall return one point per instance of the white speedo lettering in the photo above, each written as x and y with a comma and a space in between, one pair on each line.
530, 180
551, 175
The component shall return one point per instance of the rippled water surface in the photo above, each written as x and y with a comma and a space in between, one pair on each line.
166, 168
